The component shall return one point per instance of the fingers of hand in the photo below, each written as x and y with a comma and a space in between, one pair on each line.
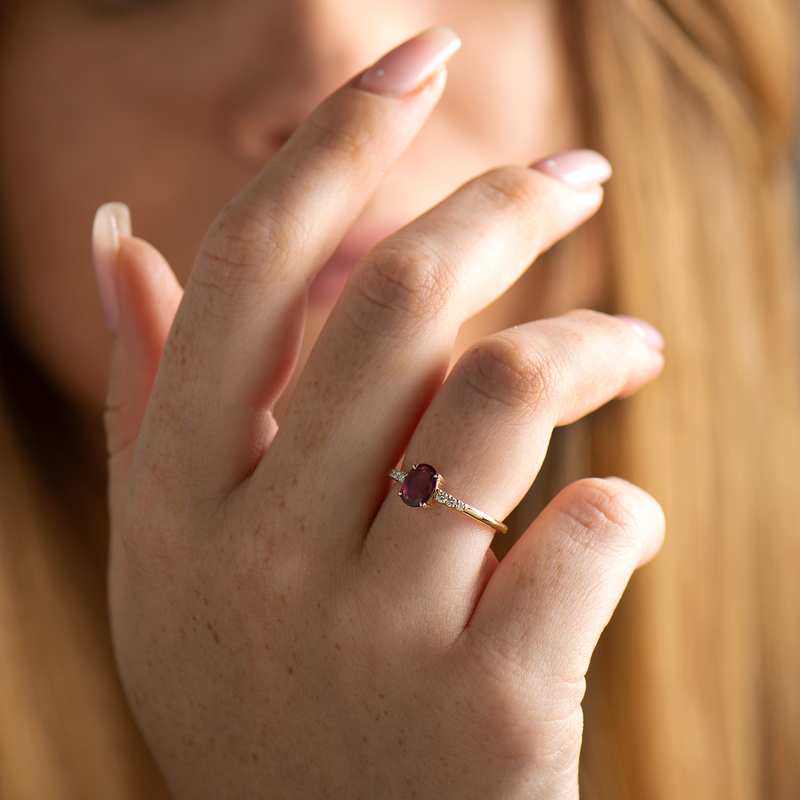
272, 238
487, 432
391, 335
548, 601
465, 252
148, 296
242, 316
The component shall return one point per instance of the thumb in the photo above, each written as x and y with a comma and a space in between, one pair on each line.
140, 295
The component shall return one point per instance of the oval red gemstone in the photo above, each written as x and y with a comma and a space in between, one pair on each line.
419, 486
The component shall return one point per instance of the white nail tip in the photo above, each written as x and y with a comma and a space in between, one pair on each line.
111, 221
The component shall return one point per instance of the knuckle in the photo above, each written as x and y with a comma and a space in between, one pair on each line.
496, 660
220, 297
512, 188
400, 285
602, 516
340, 136
504, 370
237, 252
500, 662
242, 234
168, 532
562, 740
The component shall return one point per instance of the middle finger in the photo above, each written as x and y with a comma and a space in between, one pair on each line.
385, 349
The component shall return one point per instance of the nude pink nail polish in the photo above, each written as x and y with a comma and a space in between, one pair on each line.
111, 221
646, 331
578, 168
408, 66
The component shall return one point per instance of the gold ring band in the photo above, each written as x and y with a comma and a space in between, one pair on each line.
422, 486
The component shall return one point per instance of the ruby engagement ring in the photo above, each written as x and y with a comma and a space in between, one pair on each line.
421, 486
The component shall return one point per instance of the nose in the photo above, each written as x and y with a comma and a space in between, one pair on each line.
301, 52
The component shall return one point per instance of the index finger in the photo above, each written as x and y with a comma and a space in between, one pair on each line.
237, 332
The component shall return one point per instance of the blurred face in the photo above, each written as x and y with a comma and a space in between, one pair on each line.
172, 105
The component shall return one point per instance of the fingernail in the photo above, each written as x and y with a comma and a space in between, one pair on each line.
111, 221
578, 168
647, 332
408, 66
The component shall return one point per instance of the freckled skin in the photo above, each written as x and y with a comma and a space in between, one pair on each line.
276, 621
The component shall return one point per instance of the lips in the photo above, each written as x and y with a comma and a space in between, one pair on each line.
331, 279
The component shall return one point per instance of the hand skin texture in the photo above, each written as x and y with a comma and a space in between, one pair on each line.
284, 625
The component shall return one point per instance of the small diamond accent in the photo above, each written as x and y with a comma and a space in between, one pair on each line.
448, 500
396, 475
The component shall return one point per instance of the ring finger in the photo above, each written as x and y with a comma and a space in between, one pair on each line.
487, 432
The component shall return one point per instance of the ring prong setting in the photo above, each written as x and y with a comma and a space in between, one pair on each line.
421, 487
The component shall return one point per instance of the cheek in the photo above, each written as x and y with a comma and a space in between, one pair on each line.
515, 90
46, 214
81, 132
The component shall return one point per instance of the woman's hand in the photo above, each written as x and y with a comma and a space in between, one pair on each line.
284, 625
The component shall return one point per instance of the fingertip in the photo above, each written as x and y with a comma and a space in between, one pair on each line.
650, 514
580, 169
648, 344
648, 333
653, 367
563, 207
149, 293
410, 65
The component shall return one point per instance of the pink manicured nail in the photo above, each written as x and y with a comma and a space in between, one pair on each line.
408, 66
650, 335
111, 221
578, 168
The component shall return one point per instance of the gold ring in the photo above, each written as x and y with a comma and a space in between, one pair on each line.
422, 486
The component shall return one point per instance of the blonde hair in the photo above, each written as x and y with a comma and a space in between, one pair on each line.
693, 691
